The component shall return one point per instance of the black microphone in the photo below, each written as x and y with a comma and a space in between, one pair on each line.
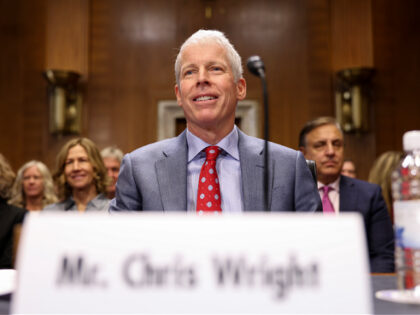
256, 66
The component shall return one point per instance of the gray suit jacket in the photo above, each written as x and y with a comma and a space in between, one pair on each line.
154, 177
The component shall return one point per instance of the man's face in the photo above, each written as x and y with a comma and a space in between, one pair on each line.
113, 169
207, 91
324, 145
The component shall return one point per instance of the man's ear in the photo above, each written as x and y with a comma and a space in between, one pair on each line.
303, 150
241, 89
178, 95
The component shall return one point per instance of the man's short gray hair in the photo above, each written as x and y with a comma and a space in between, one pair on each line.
112, 152
209, 36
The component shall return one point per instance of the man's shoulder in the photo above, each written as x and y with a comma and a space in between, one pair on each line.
253, 142
159, 148
359, 184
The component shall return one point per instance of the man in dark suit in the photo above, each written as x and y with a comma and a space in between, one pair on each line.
322, 140
166, 175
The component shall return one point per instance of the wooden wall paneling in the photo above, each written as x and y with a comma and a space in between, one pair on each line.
386, 51
137, 45
190, 17
34, 101
67, 35
21, 89
351, 23
352, 46
397, 47
10, 75
320, 88
100, 91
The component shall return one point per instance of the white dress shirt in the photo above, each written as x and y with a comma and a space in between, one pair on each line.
334, 194
228, 169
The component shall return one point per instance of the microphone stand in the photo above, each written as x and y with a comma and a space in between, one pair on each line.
266, 137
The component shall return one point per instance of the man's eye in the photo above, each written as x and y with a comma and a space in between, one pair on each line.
188, 72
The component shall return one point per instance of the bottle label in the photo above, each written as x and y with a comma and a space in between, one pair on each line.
407, 223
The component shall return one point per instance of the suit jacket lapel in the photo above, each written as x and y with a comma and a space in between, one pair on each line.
171, 173
252, 172
348, 197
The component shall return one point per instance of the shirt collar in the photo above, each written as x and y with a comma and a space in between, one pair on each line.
96, 202
228, 144
335, 185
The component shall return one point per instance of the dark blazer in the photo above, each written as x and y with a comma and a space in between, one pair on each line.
154, 177
366, 198
9, 217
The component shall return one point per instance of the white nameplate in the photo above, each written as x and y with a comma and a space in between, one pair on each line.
146, 263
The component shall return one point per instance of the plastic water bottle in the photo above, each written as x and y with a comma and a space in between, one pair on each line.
406, 196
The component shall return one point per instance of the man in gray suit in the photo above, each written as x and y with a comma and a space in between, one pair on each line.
164, 176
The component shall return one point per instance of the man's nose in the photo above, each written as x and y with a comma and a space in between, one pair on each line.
202, 77
330, 149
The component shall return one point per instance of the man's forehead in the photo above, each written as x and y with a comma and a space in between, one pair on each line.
325, 132
111, 160
190, 56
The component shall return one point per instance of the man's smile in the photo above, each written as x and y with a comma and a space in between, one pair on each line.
203, 98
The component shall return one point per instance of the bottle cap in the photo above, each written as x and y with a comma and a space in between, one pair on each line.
411, 140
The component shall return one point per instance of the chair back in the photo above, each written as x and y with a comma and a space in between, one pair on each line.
312, 168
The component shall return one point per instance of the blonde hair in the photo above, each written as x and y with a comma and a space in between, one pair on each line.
94, 156
380, 174
7, 177
18, 195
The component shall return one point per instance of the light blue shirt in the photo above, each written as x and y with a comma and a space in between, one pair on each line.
228, 169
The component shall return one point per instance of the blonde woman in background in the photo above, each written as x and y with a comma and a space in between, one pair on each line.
80, 177
33, 188
380, 174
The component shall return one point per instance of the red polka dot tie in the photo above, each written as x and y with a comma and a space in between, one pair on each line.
208, 194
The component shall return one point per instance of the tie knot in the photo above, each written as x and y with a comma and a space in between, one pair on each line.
212, 152
327, 189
